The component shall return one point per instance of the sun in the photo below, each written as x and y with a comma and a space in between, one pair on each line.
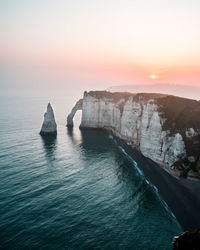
153, 77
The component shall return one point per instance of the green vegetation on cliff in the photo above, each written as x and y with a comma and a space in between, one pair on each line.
180, 113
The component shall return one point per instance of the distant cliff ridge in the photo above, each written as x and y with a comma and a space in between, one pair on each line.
164, 128
188, 91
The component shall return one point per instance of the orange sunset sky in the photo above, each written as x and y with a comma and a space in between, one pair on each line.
104, 42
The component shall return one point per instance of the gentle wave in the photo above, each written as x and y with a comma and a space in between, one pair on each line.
78, 191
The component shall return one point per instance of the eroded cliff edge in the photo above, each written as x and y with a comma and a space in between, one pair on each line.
164, 128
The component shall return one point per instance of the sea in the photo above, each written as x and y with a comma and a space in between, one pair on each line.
76, 191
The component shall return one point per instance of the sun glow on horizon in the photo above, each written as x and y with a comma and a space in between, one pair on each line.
153, 77
102, 46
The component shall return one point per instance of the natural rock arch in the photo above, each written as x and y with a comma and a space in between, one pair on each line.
78, 106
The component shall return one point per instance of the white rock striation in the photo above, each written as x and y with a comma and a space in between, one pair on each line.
49, 126
139, 123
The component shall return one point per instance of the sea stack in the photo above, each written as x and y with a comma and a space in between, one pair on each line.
49, 126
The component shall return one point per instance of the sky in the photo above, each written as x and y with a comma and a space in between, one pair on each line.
107, 42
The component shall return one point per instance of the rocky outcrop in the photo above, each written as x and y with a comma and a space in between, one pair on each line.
49, 126
164, 128
78, 106
188, 240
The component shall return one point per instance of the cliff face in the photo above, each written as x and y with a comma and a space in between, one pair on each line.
164, 128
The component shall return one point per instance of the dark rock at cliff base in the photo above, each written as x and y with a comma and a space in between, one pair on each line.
49, 126
189, 240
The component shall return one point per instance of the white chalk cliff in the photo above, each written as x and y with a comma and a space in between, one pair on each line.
49, 126
138, 120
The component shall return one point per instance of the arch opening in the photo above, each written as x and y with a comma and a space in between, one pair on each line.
70, 117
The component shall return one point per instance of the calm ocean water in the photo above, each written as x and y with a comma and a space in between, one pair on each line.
78, 191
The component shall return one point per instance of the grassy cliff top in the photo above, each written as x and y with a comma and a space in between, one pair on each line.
180, 113
116, 96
